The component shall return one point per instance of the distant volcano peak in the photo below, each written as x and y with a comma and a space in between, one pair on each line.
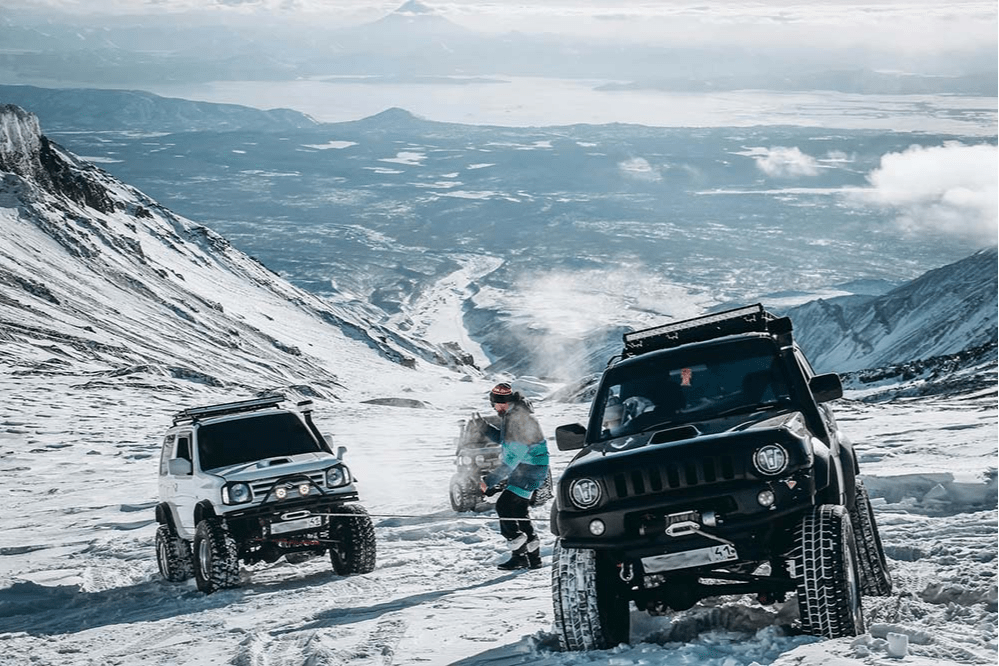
415, 7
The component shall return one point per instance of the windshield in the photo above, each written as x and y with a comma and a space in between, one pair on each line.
686, 387
257, 438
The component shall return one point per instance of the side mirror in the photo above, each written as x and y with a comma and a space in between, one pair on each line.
826, 387
340, 452
180, 467
570, 437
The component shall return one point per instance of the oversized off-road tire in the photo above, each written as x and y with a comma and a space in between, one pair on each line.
216, 560
544, 493
825, 570
464, 494
173, 555
591, 610
354, 552
875, 579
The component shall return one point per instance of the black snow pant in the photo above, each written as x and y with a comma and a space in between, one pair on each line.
512, 505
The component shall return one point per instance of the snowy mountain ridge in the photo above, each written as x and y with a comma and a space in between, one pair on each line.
943, 312
93, 272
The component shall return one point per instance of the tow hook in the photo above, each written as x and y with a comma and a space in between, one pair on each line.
627, 573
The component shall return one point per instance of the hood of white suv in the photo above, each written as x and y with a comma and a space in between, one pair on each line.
268, 468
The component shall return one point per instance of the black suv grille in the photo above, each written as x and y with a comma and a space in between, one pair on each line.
674, 475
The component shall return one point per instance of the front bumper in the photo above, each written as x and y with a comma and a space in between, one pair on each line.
721, 514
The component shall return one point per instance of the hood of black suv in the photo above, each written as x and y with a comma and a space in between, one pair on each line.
728, 454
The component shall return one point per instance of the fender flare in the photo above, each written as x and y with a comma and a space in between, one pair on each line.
164, 516
850, 470
203, 509
827, 482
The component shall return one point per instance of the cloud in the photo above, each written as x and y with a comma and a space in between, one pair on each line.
949, 189
560, 315
639, 167
784, 162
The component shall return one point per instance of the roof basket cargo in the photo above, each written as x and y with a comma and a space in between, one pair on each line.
195, 413
748, 319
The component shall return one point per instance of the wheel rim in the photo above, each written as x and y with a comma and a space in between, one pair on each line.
455, 494
161, 557
204, 557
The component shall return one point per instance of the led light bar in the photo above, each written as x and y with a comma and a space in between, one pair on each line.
730, 322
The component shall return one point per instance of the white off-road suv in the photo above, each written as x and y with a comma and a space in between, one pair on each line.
255, 481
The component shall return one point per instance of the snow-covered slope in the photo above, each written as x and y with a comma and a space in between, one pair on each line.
945, 311
96, 278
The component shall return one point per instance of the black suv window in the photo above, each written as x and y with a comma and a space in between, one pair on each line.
689, 386
257, 438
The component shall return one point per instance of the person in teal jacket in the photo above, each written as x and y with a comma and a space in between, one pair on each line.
523, 468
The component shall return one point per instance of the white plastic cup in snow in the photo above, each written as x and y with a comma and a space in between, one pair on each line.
898, 644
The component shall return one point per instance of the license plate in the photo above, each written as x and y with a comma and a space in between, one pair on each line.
296, 525
691, 558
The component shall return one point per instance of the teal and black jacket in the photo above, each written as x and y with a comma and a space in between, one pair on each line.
524, 459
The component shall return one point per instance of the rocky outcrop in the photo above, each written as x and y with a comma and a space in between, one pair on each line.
26, 152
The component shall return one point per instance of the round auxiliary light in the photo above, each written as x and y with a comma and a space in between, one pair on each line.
466, 460
303, 489
480, 459
766, 498
597, 527
584, 492
770, 459
281, 493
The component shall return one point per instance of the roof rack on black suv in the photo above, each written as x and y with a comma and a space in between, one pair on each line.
749, 319
711, 465
254, 481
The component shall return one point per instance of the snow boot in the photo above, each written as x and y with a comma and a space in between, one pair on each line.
518, 560
534, 554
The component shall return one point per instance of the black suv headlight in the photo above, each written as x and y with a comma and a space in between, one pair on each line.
236, 493
771, 459
584, 493
337, 476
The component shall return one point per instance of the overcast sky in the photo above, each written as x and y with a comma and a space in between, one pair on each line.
908, 25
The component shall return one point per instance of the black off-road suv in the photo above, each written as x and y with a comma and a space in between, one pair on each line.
711, 466
254, 481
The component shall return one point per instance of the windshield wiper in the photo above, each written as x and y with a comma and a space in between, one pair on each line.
748, 409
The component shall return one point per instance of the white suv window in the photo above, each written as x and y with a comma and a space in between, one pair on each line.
184, 448
166, 454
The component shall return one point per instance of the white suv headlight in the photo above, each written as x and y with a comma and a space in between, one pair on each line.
337, 476
584, 493
236, 493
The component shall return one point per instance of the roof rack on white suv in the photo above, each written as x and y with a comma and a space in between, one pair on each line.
193, 413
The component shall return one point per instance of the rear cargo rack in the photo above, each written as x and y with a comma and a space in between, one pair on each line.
748, 319
195, 413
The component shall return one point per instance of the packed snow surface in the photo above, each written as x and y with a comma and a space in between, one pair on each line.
79, 582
